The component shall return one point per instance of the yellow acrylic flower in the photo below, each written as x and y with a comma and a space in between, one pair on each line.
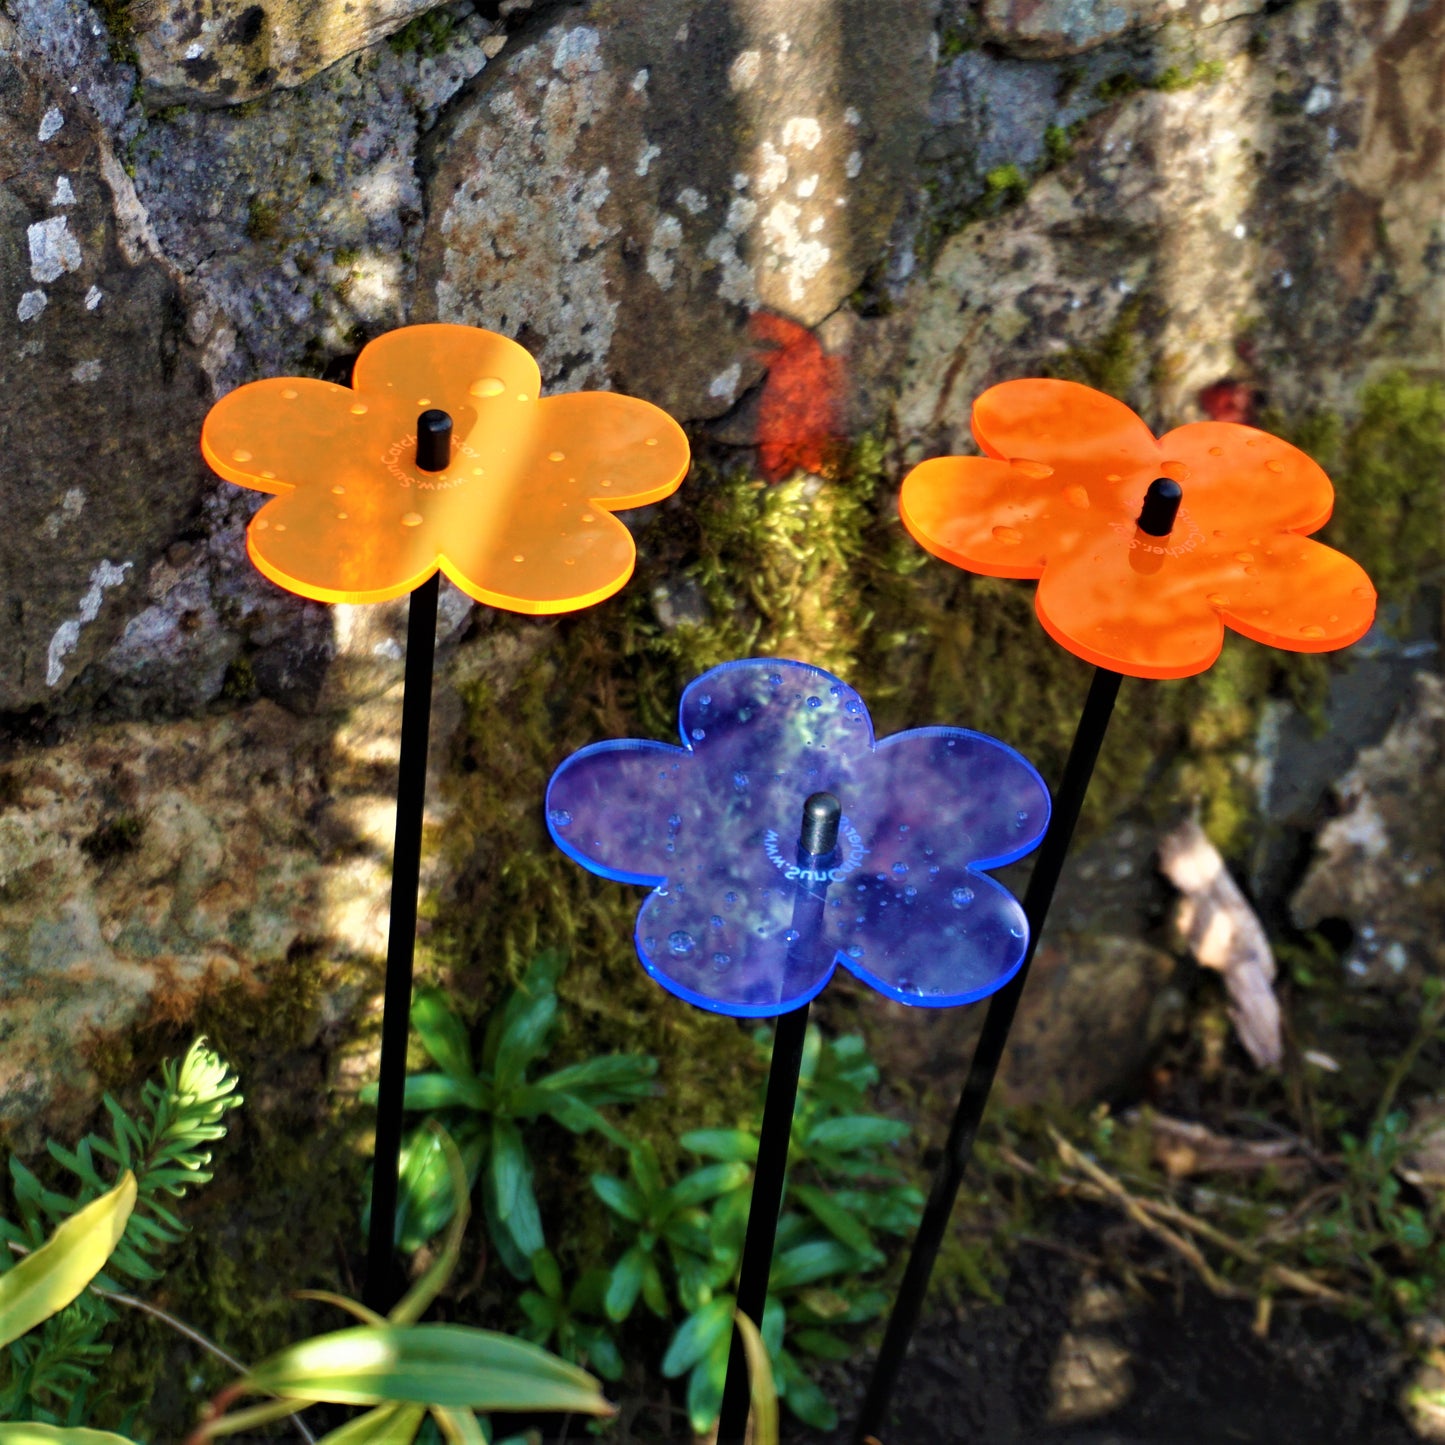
519, 516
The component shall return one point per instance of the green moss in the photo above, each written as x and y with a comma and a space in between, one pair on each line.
240, 680
426, 35
1387, 467
1006, 182
1058, 145
1113, 362
1205, 72
263, 221
1117, 87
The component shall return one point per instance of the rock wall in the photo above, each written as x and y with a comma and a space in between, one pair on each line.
790, 224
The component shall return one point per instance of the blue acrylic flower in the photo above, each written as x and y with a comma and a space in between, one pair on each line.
738, 921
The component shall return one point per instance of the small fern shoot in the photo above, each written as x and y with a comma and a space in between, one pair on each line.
166, 1147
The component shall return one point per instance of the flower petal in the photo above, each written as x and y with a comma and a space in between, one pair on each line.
1083, 434
608, 807
1241, 481
976, 513
1113, 606
533, 530
732, 937
478, 377
958, 943
1306, 598
935, 801
776, 709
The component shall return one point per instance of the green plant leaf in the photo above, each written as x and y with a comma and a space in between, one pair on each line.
393, 1424
697, 1335
708, 1182
442, 1033
52, 1276
448, 1365
705, 1389
724, 1144
26, 1432
620, 1197
843, 1225
852, 1132
528, 1021
805, 1263
624, 1283
460, 1427
764, 1413
804, 1398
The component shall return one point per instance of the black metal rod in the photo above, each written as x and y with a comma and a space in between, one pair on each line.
817, 847
421, 631
767, 1204
1088, 738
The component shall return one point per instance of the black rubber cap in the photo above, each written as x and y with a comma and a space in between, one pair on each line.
821, 814
433, 441
1161, 507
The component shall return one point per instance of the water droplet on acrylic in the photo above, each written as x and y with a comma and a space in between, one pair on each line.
341, 516
855, 950
934, 870
411, 519
358, 408
775, 679
815, 702
241, 455
853, 707
517, 557
1274, 466
1217, 599
338, 491
962, 897
740, 782
423, 401
705, 700
556, 456
1077, 496
1113, 477
1244, 556
1216, 451
1009, 536
698, 734
523, 396
721, 960
730, 898
1037, 470
1017, 930
289, 394
649, 944
260, 524
681, 943
910, 892
906, 984
671, 848
1365, 594
900, 868
1179, 471
1251, 571
674, 821
791, 935
1021, 817
588, 517
651, 441
270, 476
1312, 629
716, 920
560, 818
488, 386
280, 526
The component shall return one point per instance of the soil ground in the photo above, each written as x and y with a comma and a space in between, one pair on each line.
1190, 1368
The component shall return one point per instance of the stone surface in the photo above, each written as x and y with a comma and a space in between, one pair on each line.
1048, 28
1380, 865
220, 52
623, 197
1244, 224
103, 393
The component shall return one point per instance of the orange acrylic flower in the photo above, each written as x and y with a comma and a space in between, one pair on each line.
1058, 495
520, 516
